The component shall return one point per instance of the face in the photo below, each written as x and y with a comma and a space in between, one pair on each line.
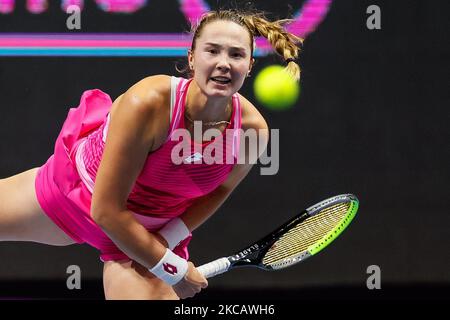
222, 58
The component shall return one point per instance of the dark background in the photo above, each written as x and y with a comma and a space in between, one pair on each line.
371, 120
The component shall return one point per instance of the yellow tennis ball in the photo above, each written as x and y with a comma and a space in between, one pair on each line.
276, 89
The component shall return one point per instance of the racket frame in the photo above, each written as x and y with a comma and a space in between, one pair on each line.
253, 254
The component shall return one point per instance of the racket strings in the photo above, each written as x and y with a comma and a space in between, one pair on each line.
310, 233
307, 233
312, 229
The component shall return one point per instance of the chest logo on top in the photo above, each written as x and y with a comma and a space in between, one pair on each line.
193, 158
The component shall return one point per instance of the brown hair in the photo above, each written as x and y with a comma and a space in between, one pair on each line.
285, 43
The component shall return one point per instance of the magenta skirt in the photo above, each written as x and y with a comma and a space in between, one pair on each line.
64, 197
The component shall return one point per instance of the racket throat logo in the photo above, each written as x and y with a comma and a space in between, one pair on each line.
246, 252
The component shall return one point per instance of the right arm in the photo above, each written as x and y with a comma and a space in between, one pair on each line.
136, 128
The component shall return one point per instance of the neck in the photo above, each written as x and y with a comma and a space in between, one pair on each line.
207, 109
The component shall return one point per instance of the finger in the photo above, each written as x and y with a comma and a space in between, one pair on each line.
198, 278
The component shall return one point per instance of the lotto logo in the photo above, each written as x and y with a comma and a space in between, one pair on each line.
170, 268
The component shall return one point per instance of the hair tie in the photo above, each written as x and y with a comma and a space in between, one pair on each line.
289, 60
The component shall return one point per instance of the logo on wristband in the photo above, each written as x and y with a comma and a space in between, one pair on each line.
169, 268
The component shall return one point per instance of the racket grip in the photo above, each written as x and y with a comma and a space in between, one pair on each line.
214, 268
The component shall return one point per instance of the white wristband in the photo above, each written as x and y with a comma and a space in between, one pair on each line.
171, 268
174, 232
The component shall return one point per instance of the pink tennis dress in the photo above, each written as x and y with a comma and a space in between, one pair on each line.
163, 190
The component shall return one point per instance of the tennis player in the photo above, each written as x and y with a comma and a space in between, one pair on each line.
113, 181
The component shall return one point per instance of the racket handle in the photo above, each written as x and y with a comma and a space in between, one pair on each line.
214, 268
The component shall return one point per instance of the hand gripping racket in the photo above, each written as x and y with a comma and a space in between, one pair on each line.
298, 239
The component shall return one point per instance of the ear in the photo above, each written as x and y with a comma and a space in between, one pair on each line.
252, 62
191, 59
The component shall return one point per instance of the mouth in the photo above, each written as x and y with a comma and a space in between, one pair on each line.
221, 80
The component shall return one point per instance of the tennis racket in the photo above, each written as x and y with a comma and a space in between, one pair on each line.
298, 239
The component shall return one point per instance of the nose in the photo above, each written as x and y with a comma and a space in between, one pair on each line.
223, 64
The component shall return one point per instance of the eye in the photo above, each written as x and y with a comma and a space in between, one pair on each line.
237, 55
212, 51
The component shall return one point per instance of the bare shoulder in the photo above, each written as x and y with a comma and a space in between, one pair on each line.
156, 85
149, 91
251, 117
149, 100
